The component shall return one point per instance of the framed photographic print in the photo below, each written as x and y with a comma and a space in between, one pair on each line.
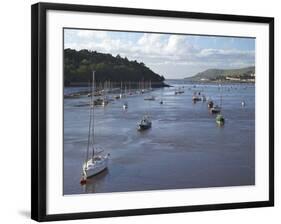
139, 111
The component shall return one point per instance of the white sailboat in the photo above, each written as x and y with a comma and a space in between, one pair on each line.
97, 161
105, 100
121, 91
125, 104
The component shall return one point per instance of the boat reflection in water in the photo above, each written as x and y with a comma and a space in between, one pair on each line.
94, 183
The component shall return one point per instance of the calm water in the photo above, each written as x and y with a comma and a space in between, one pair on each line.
183, 149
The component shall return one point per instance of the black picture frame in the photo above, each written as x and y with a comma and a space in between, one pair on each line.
39, 122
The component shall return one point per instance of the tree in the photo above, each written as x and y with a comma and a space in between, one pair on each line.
78, 67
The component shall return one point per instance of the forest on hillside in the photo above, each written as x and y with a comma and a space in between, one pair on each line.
79, 65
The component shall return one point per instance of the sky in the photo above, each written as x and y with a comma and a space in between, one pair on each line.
170, 55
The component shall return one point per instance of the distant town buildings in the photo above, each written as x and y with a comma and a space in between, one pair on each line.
243, 78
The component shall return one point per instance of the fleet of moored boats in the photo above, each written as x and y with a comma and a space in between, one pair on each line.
96, 161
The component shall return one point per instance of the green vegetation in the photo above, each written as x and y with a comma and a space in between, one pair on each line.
78, 67
243, 74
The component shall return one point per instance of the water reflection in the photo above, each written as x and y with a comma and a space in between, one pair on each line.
93, 183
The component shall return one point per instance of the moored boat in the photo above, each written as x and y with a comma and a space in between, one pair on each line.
196, 98
97, 161
95, 165
104, 103
125, 106
149, 98
101, 102
144, 124
179, 91
220, 119
215, 109
210, 104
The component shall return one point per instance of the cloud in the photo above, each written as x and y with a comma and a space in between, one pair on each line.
176, 45
172, 52
91, 34
224, 52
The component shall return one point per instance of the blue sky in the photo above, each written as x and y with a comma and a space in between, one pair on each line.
170, 55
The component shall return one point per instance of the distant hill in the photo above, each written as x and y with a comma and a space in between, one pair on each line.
78, 67
241, 74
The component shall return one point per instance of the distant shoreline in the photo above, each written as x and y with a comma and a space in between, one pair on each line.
240, 75
221, 82
86, 84
167, 85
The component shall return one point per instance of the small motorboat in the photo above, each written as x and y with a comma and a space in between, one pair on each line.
144, 124
179, 91
215, 110
98, 102
220, 120
196, 98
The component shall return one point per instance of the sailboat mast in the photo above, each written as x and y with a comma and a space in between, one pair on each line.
90, 121
93, 134
220, 96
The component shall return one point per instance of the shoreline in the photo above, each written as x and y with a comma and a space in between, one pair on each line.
220, 82
86, 84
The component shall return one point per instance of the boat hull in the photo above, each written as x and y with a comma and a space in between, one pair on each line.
215, 110
195, 99
143, 127
220, 120
94, 167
